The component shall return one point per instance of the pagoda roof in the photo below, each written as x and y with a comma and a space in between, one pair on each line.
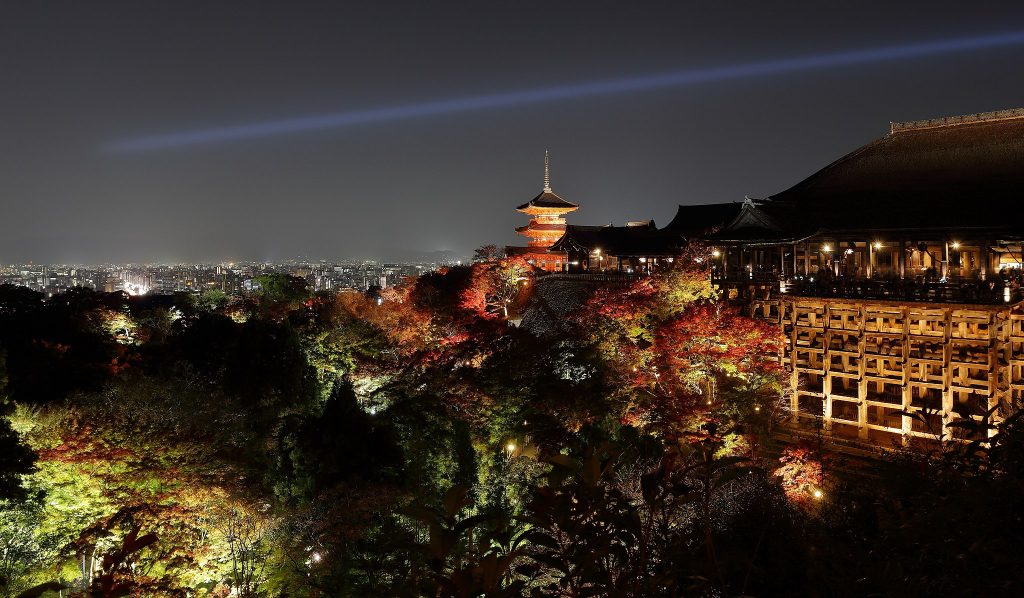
963, 173
542, 226
549, 200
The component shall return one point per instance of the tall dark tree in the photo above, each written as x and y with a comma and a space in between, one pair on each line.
16, 459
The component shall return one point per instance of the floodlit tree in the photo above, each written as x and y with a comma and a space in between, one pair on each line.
246, 532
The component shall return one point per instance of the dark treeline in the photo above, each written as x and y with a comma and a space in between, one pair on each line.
411, 442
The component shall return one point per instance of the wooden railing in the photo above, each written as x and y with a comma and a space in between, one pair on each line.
591, 276
952, 291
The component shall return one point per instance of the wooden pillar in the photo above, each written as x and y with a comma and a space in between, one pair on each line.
826, 382
902, 260
862, 383
794, 399
871, 259
945, 260
908, 392
807, 259
794, 261
983, 261
947, 376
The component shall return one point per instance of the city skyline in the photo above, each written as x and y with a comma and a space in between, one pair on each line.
448, 180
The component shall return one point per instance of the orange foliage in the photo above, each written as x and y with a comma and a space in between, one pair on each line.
495, 285
801, 475
670, 343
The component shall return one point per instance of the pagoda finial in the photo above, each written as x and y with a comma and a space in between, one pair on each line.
547, 173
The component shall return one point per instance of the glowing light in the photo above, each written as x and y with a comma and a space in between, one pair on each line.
757, 408
316, 557
878, 244
578, 90
817, 494
510, 447
826, 248
716, 253
955, 245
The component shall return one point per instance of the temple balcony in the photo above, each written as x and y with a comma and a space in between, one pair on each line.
968, 291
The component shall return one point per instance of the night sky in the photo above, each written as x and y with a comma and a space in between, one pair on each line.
84, 86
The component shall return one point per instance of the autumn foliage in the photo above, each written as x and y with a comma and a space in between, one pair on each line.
674, 351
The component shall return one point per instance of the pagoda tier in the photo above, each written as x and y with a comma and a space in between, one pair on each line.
547, 204
543, 231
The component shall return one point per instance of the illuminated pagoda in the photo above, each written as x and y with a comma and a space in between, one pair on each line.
546, 226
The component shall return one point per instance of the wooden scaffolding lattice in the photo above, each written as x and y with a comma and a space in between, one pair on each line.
859, 367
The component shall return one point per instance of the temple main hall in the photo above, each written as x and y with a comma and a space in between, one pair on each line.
894, 273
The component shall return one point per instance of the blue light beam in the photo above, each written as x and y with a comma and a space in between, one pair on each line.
341, 120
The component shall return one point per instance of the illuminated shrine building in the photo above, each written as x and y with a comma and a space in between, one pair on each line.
546, 225
894, 274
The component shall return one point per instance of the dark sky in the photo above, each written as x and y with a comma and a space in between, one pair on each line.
78, 77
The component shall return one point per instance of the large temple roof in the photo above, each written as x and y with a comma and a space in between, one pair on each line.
696, 219
954, 174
